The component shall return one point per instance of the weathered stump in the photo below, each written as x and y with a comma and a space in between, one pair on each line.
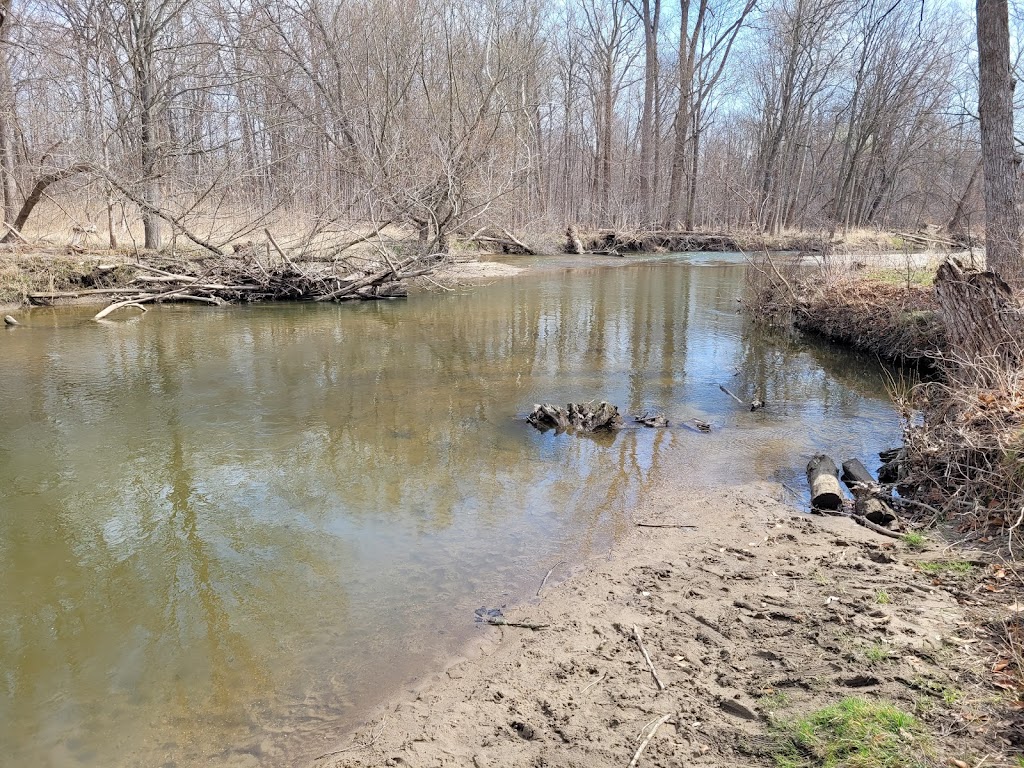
573, 244
576, 417
823, 479
981, 321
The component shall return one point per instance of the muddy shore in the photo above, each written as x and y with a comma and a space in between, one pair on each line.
756, 616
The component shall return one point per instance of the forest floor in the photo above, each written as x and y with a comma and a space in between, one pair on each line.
780, 639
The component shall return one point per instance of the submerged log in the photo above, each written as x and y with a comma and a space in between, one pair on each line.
823, 479
576, 417
8, 320
648, 420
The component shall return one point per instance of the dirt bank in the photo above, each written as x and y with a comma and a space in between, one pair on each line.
752, 619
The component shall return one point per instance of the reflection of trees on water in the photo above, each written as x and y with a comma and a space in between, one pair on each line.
221, 487
129, 587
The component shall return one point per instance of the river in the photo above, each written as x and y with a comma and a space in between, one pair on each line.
227, 533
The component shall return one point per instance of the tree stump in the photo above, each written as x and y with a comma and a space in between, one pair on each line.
573, 244
576, 417
982, 324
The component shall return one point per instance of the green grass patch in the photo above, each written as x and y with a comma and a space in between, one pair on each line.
913, 277
876, 654
882, 598
938, 567
855, 733
915, 540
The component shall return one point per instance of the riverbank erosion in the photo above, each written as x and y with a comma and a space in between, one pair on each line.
713, 637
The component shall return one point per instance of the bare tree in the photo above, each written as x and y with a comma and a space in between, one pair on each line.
995, 109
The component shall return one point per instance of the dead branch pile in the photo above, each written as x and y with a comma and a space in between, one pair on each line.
610, 241
576, 417
963, 456
244, 277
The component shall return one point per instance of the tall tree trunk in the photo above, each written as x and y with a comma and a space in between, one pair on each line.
650, 17
7, 113
995, 107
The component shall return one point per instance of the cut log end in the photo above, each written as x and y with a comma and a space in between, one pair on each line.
823, 479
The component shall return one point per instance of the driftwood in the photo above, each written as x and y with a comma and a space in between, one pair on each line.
756, 404
244, 278
647, 657
870, 503
653, 729
856, 475
576, 417
652, 420
505, 240
823, 479
860, 520
8, 320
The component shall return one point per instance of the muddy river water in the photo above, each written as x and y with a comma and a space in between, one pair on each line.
226, 534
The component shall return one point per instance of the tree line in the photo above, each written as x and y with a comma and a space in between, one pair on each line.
206, 118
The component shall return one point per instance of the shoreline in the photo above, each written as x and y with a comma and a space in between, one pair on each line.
758, 616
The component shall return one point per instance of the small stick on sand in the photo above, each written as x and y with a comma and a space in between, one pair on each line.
548, 575
500, 622
665, 525
650, 734
650, 664
600, 679
876, 528
365, 745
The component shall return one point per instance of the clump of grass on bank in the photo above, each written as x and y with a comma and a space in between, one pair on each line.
958, 567
25, 273
855, 733
915, 540
892, 320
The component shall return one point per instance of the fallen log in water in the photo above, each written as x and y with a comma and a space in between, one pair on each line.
823, 479
576, 417
657, 420
867, 493
244, 277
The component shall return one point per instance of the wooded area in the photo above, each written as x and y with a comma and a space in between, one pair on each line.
206, 120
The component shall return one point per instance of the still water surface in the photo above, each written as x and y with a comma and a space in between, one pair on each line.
226, 533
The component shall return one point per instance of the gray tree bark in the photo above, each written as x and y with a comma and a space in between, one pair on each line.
995, 108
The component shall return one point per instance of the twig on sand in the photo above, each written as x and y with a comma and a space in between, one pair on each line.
548, 575
650, 735
665, 525
647, 657
353, 747
497, 621
599, 680
876, 528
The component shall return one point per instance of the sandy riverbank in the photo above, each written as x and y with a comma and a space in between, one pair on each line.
758, 615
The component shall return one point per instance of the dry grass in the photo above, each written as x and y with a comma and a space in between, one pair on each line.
881, 312
964, 443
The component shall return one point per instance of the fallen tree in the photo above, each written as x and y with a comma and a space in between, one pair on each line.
245, 277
